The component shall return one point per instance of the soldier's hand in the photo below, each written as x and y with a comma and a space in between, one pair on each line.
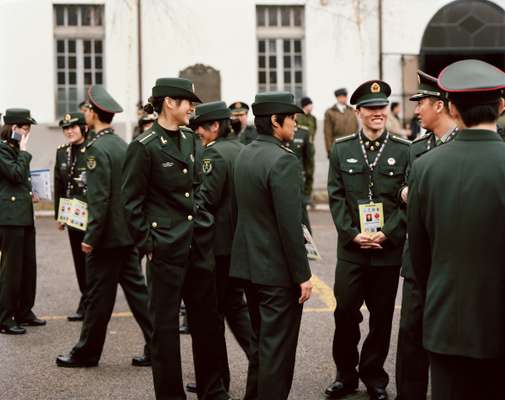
149, 256
405, 194
23, 143
35, 198
61, 226
306, 290
364, 240
86, 248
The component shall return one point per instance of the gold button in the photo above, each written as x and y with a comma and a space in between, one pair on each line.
13, 198
350, 171
29, 179
31, 193
184, 171
154, 224
186, 194
190, 218
391, 173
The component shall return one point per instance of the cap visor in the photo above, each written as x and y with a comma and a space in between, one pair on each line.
373, 103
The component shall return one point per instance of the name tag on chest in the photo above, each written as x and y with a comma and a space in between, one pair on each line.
371, 217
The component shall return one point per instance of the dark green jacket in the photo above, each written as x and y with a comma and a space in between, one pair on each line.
16, 207
348, 181
107, 227
68, 182
217, 191
309, 122
248, 135
158, 184
456, 235
304, 150
268, 246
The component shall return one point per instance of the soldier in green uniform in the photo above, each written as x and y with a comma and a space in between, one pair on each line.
245, 133
159, 179
366, 171
111, 257
455, 207
18, 265
212, 123
304, 150
69, 182
268, 251
411, 359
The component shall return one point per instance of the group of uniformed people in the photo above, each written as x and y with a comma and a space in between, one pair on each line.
217, 207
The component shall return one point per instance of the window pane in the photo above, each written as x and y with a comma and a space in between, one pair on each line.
98, 46
99, 78
287, 46
262, 88
287, 62
260, 16
86, 15
271, 46
72, 93
298, 62
71, 46
98, 14
87, 62
273, 77
98, 62
72, 63
60, 15
72, 78
272, 61
261, 61
272, 16
298, 46
72, 15
262, 77
298, 76
287, 76
261, 46
88, 78
61, 78
87, 46
298, 11
285, 13
60, 46
60, 62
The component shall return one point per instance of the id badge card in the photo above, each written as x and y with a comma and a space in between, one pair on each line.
371, 216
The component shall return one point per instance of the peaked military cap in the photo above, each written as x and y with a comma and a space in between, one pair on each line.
340, 92
177, 88
18, 116
238, 107
472, 81
427, 87
269, 103
101, 99
213, 111
371, 94
76, 118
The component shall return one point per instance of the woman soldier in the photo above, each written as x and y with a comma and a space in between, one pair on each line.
70, 182
18, 265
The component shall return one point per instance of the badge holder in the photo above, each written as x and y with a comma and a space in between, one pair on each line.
371, 216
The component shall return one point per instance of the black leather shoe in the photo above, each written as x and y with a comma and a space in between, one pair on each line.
12, 330
338, 389
184, 330
75, 317
33, 322
377, 393
71, 362
141, 361
191, 387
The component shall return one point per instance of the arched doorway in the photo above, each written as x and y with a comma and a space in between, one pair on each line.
464, 29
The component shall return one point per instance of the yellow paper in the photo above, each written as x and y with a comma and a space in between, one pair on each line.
371, 217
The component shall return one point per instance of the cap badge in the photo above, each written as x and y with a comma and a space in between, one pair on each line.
67, 117
391, 161
375, 88
236, 105
207, 166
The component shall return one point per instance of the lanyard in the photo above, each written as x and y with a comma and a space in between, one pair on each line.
447, 139
373, 164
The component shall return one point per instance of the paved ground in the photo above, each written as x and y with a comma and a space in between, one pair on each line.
28, 370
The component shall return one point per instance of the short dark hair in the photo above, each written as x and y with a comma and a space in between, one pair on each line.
6, 130
475, 114
434, 99
394, 104
224, 127
103, 116
156, 104
264, 125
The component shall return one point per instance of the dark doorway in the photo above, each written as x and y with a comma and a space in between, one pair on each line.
464, 29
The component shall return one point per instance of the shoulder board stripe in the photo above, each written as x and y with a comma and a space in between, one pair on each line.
287, 149
400, 140
146, 137
420, 139
345, 138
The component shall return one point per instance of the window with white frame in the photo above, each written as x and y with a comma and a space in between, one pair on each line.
280, 34
79, 47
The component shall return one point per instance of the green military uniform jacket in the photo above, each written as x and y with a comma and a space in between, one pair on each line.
105, 156
303, 147
248, 135
158, 184
309, 122
15, 186
348, 183
217, 191
456, 237
268, 246
69, 174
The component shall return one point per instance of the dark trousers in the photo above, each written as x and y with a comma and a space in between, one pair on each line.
106, 268
18, 274
76, 237
376, 287
232, 308
412, 362
305, 217
462, 378
275, 317
169, 284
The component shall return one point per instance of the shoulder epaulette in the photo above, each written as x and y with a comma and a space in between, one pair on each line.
346, 138
422, 138
147, 137
211, 144
302, 126
287, 149
63, 146
400, 140
185, 131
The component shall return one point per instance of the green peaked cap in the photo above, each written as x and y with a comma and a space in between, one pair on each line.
238, 107
75, 118
177, 88
427, 87
213, 111
101, 99
269, 103
18, 116
371, 94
